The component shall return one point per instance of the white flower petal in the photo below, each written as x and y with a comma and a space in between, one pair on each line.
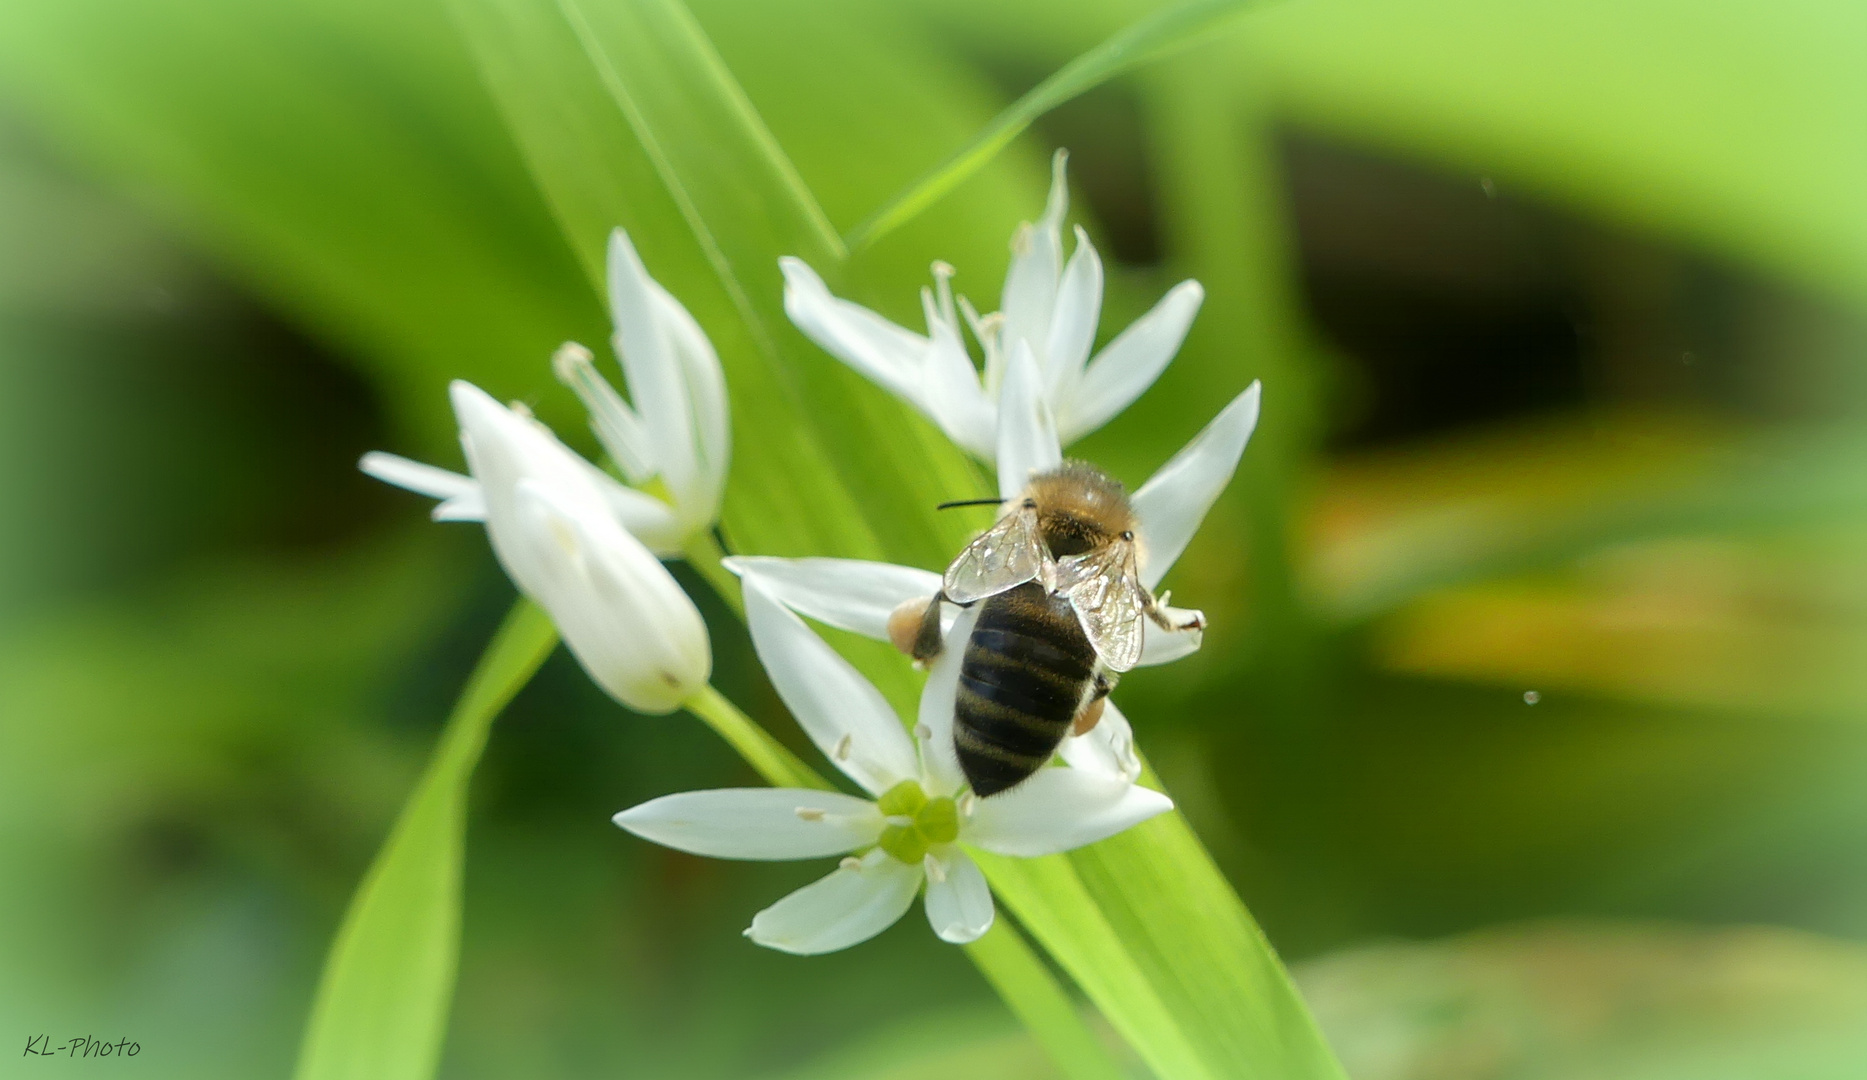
621, 613
841, 711
1130, 363
1059, 809
1107, 748
657, 384
552, 520
959, 902
756, 823
469, 507
1030, 294
1073, 327
849, 594
710, 422
1175, 499
1165, 646
504, 448
647, 518
950, 386
1027, 438
884, 353
939, 763
986, 329
459, 495
850, 906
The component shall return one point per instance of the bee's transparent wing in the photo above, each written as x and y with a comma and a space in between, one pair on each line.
1105, 589
1009, 554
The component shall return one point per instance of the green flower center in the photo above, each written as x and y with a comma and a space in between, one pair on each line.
931, 821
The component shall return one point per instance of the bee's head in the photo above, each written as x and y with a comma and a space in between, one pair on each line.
1079, 508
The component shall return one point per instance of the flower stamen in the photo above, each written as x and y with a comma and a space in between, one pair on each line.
616, 424
943, 286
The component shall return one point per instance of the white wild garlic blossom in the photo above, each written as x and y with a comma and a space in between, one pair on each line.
909, 832
1048, 314
581, 544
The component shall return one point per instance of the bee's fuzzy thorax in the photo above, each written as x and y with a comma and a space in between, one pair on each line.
1079, 508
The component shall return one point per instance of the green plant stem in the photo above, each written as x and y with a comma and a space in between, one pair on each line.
704, 554
777, 764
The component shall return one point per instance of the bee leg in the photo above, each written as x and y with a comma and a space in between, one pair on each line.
1156, 611
1091, 713
927, 643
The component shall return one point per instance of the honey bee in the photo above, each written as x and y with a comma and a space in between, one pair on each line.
1062, 618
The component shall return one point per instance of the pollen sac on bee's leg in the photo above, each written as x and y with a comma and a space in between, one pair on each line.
904, 624
1090, 714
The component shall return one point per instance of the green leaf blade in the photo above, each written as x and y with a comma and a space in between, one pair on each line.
1050, 900
1137, 43
1188, 933
746, 171
1154, 934
1020, 977
381, 1006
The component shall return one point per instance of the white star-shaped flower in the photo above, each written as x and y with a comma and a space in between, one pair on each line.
573, 538
911, 831
553, 521
1048, 310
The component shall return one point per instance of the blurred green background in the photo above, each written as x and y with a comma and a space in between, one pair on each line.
1532, 723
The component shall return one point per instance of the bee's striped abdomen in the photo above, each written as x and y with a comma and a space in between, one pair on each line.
1025, 671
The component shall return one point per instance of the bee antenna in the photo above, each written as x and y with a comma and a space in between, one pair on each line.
968, 502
